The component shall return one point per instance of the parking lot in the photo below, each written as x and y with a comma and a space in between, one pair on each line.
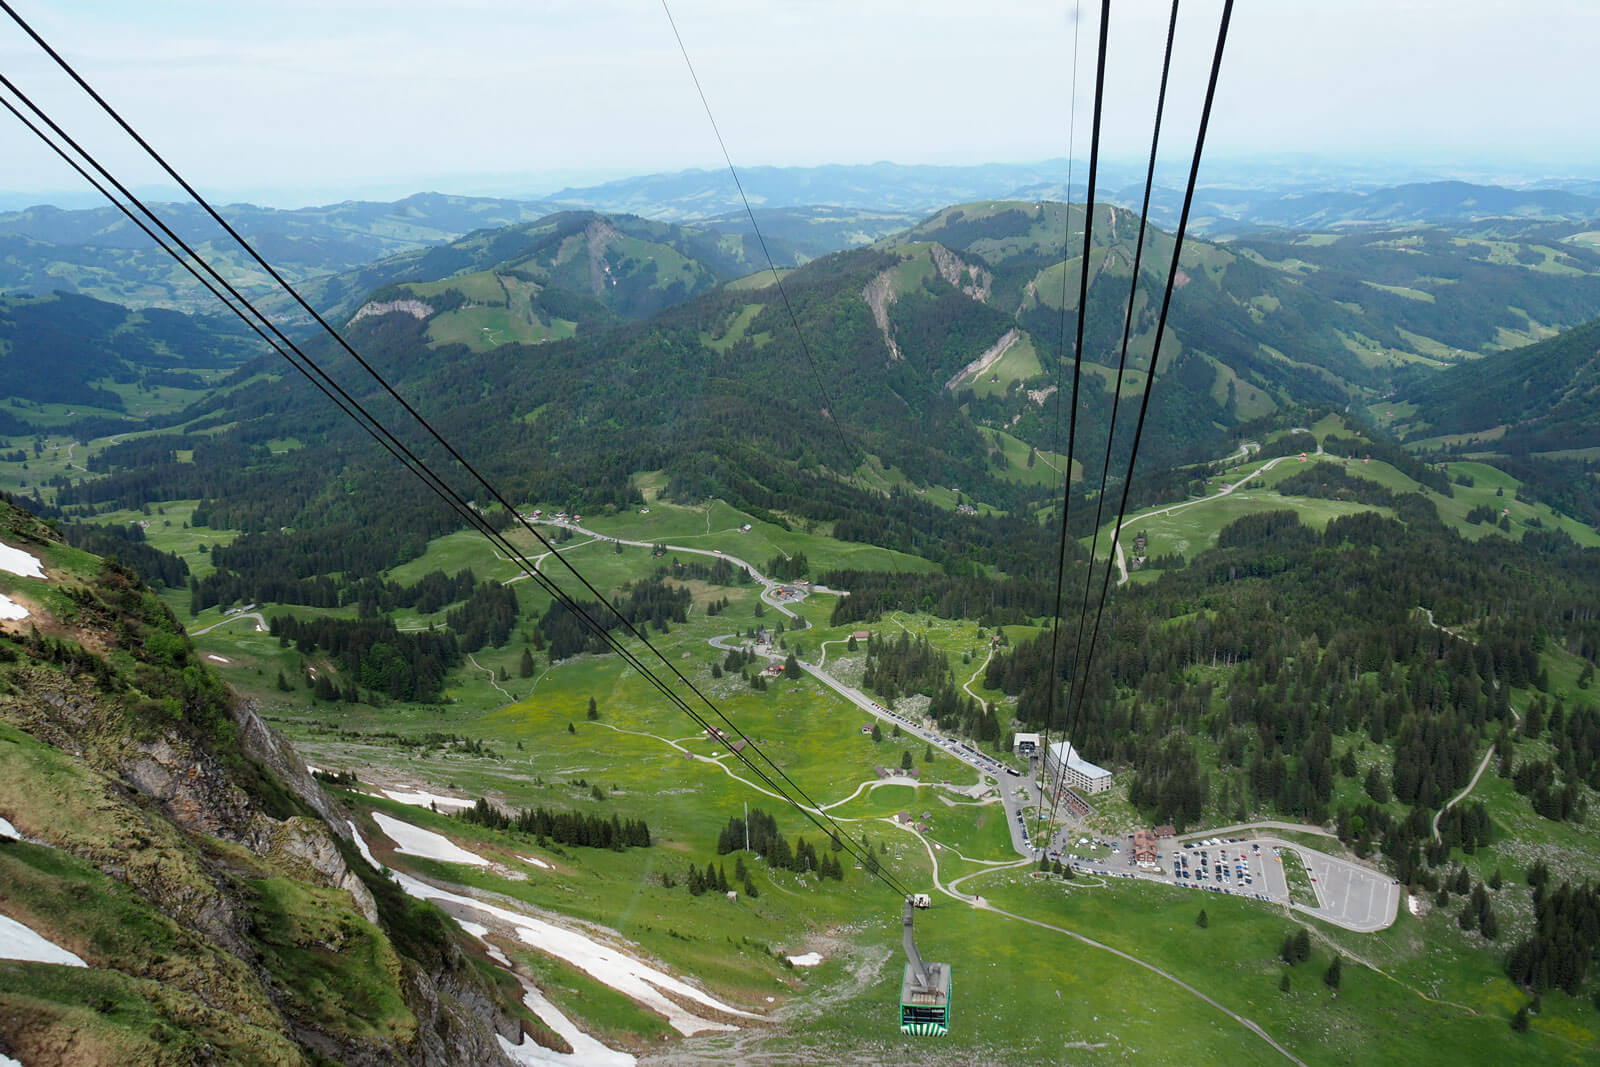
1348, 894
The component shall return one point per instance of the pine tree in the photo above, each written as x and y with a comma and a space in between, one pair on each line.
1201, 921
594, 710
525, 668
1332, 975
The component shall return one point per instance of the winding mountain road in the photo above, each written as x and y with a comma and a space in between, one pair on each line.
261, 623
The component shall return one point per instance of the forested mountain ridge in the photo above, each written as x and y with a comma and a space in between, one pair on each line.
1539, 398
70, 349
929, 360
179, 849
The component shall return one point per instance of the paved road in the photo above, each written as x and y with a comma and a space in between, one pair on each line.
261, 623
1011, 787
1227, 489
1017, 791
770, 586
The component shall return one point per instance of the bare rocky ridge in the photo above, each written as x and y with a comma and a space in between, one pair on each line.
972, 280
989, 358
226, 847
599, 234
879, 294
415, 308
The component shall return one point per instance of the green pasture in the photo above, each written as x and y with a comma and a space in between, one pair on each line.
1189, 530
1019, 363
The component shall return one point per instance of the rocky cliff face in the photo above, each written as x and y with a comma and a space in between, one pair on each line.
180, 848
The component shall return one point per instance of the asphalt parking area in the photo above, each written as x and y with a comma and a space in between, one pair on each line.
1349, 895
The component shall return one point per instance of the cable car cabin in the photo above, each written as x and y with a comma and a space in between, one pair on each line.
925, 990
925, 1009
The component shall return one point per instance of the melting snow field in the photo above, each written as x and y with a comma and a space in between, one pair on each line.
10, 609
626, 975
6, 829
536, 861
810, 959
7, 1061
634, 979
22, 564
423, 799
18, 942
415, 841
585, 1049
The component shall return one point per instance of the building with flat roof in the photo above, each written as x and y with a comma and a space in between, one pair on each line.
1062, 762
1025, 744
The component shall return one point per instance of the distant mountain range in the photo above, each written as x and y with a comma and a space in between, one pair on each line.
804, 212
97, 252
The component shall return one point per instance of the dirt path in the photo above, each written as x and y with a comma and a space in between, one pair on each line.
967, 685
979, 902
490, 673
1459, 797
1487, 756
1248, 1024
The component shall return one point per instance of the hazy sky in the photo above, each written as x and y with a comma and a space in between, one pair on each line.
300, 100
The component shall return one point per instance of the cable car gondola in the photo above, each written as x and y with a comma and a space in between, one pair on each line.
925, 989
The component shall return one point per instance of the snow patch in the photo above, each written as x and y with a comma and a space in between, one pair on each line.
481, 932
586, 1051
421, 798
1412, 906
415, 841
536, 861
10, 609
638, 981
7, 1061
18, 942
7, 830
810, 959
22, 564
361, 845
213, 657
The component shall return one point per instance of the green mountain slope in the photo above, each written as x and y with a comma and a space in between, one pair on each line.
930, 361
540, 281
182, 852
1541, 397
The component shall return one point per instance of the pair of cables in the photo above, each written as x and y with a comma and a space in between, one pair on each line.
751, 755
1083, 656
